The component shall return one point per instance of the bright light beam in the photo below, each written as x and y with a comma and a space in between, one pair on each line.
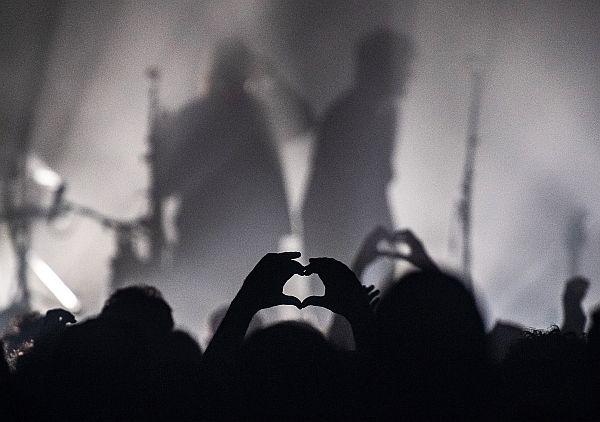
54, 283
41, 173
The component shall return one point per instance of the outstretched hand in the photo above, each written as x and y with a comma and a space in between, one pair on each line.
263, 287
344, 294
369, 249
416, 253
372, 295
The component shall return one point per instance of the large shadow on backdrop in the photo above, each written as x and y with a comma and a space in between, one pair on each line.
347, 194
226, 173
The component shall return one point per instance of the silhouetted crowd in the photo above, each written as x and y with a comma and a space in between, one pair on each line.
419, 351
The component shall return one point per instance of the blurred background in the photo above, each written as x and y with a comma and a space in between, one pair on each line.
75, 90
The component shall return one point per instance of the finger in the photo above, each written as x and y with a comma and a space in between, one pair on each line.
368, 288
406, 236
317, 264
289, 255
373, 295
386, 234
290, 300
400, 234
314, 267
311, 268
380, 232
296, 268
373, 292
315, 301
374, 302
390, 254
290, 267
320, 259
409, 238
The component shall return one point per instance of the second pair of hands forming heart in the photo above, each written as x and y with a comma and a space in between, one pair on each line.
344, 294
383, 243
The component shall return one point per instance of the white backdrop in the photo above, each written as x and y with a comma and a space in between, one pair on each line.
539, 126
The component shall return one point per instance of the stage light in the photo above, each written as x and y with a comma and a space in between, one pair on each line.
42, 174
54, 283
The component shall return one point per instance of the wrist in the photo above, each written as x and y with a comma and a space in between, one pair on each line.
362, 329
244, 306
360, 316
361, 262
429, 266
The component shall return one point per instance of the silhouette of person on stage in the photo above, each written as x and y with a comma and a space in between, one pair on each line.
226, 172
346, 197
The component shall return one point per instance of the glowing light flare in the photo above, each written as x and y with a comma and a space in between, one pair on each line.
54, 283
42, 174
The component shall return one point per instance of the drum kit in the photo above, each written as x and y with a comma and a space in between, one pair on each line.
31, 192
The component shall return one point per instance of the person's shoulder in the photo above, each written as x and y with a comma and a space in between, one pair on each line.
188, 114
343, 104
80, 333
253, 109
193, 106
339, 110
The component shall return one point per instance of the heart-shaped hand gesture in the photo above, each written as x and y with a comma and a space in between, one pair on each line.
370, 249
408, 247
263, 287
344, 294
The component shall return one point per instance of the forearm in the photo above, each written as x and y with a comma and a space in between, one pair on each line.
359, 264
362, 329
429, 266
574, 318
223, 350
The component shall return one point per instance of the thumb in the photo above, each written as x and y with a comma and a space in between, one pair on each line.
290, 300
315, 301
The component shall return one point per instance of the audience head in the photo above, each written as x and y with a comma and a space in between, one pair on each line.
545, 377
429, 362
140, 306
430, 317
432, 341
288, 372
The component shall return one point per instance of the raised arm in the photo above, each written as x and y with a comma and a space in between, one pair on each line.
416, 254
344, 295
262, 288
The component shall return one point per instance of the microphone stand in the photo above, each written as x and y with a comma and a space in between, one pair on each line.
465, 204
154, 220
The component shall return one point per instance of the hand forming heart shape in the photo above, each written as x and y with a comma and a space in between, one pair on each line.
402, 244
263, 288
344, 294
